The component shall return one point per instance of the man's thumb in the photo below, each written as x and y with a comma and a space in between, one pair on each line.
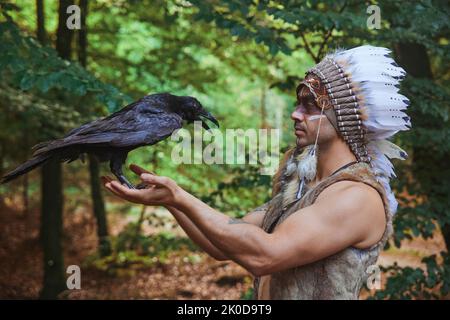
150, 178
146, 177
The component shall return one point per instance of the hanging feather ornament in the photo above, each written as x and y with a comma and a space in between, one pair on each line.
307, 166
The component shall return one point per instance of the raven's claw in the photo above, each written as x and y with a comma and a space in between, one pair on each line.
124, 181
141, 186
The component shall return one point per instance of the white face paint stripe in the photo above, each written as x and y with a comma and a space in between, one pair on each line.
316, 117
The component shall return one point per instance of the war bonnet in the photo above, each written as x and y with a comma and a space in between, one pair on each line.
358, 92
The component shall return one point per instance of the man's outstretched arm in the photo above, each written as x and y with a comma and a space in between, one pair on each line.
254, 217
342, 216
196, 235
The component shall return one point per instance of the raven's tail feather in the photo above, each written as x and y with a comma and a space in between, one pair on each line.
43, 147
40, 145
25, 167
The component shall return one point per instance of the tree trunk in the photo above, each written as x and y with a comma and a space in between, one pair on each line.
64, 35
134, 240
52, 207
52, 193
82, 34
99, 208
414, 58
264, 124
94, 170
40, 32
41, 36
25, 181
25, 197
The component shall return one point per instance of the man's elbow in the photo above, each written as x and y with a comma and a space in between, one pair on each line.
220, 258
260, 271
260, 267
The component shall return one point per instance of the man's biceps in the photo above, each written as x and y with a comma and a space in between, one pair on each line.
263, 208
254, 217
257, 214
302, 231
307, 240
307, 246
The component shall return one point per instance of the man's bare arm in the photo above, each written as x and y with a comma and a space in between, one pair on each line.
345, 214
254, 217
196, 235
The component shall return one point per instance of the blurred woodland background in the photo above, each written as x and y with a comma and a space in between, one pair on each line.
242, 59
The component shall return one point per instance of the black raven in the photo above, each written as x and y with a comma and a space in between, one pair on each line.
144, 122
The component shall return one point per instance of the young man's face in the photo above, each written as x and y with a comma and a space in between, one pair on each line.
307, 117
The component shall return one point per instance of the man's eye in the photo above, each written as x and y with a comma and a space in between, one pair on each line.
311, 107
310, 103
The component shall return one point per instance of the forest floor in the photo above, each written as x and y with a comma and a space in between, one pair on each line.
21, 266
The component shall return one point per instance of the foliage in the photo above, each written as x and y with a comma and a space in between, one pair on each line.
415, 283
238, 192
230, 54
131, 251
247, 295
31, 66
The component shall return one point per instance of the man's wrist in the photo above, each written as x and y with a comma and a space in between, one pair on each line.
178, 197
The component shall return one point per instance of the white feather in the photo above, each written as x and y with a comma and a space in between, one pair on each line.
391, 150
375, 73
367, 49
381, 164
374, 86
375, 67
381, 134
381, 100
307, 166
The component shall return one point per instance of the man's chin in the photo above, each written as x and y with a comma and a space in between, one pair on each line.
302, 142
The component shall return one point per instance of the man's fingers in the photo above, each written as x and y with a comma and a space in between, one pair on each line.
123, 192
136, 195
111, 189
154, 179
124, 189
139, 170
106, 179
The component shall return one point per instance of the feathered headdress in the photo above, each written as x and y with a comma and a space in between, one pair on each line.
358, 92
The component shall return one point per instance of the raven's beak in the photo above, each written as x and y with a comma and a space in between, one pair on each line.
210, 117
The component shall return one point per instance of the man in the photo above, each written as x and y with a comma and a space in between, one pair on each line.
331, 211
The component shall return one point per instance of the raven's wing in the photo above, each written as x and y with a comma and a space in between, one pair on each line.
97, 124
152, 130
129, 130
93, 126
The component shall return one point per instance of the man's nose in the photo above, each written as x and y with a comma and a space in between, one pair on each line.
297, 115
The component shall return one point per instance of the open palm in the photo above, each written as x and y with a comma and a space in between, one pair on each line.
155, 190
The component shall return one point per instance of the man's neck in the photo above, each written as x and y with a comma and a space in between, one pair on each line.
331, 157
